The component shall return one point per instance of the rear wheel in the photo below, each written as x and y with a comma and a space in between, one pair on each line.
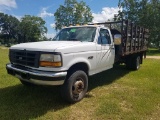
133, 62
129, 63
136, 63
75, 87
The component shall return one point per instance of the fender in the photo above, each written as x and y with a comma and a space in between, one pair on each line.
79, 60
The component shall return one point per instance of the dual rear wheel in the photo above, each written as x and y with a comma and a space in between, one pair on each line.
133, 62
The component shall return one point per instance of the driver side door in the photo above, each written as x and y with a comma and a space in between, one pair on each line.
106, 49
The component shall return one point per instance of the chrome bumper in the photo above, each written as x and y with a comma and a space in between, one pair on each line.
36, 76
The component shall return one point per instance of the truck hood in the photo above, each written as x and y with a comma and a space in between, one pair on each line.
56, 46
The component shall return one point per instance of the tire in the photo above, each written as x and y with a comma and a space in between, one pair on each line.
25, 83
75, 87
136, 63
128, 63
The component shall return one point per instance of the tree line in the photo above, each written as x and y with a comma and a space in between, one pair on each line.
28, 29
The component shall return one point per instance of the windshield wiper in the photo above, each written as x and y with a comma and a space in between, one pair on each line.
74, 39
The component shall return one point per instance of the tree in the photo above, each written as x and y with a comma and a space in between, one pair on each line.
31, 29
72, 12
8, 28
144, 13
28, 29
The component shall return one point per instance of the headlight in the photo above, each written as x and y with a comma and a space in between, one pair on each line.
50, 60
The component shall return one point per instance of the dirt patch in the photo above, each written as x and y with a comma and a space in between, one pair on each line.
153, 57
4, 48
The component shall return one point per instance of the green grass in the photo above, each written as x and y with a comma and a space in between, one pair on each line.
153, 52
114, 94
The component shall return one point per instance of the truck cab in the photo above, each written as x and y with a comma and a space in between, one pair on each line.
93, 46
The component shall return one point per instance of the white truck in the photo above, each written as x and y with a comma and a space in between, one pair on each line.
77, 52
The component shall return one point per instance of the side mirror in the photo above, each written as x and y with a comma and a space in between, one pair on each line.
117, 39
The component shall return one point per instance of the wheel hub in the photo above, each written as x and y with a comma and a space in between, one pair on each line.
78, 87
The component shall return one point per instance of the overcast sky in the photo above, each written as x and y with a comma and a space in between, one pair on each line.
102, 10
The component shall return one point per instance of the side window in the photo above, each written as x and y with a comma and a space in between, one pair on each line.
104, 37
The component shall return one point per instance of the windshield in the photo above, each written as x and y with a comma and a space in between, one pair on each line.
76, 34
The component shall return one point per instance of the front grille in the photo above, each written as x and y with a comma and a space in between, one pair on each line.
24, 57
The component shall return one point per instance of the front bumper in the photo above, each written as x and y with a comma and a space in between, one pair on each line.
36, 76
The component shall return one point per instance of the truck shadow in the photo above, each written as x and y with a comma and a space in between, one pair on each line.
107, 77
21, 102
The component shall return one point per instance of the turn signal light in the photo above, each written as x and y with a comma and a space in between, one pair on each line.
50, 64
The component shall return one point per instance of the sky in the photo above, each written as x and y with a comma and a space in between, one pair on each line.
102, 10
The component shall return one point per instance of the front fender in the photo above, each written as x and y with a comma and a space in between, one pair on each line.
79, 60
89, 58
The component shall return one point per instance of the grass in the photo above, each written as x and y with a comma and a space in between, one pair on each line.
153, 52
114, 94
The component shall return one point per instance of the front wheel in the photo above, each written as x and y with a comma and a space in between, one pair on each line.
75, 87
